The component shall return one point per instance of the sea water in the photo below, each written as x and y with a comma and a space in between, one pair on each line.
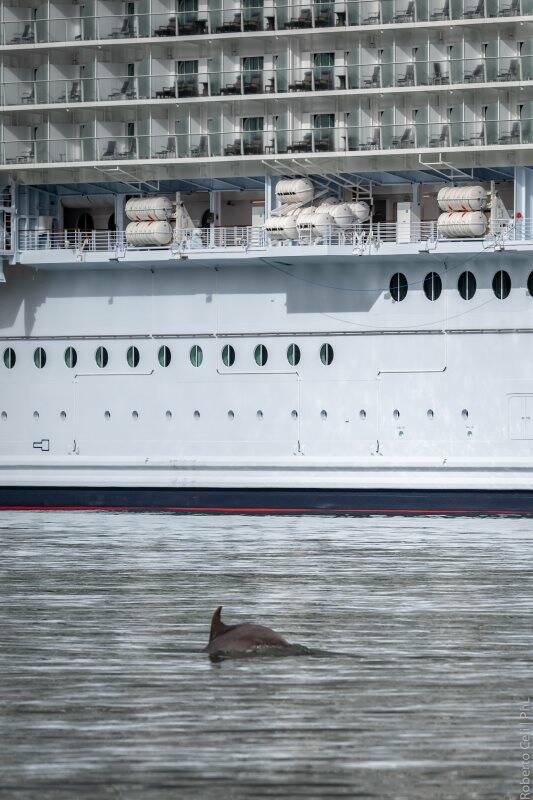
413, 681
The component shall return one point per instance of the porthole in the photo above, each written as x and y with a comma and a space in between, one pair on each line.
71, 357
469, 434
464, 413
467, 285
400, 434
259, 414
39, 358
101, 357
261, 355
362, 414
168, 414
196, 355
107, 414
398, 287
35, 415
432, 286
228, 355
294, 414
396, 414
62, 414
133, 357
326, 354
231, 414
164, 356
530, 283
196, 415
293, 355
9, 357
324, 414
4, 415
135, 415
430, 413
501, 284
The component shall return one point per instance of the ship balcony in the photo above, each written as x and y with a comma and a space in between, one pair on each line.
70, 25
347, 140
42, 248
356, 77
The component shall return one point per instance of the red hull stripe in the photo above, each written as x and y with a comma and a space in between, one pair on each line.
267, 510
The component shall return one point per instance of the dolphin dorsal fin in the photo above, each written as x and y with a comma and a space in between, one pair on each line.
217, 626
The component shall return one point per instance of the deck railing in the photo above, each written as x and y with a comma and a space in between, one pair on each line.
268, 17
256, 238
362, 76
346, 139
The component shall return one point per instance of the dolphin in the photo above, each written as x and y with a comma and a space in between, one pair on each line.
242, 638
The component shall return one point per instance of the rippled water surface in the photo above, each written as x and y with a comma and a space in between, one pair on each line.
105, 693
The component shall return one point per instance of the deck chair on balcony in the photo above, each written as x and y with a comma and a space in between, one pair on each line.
439, 77
187, 87
512, 10
253, 144
130, 151
510, 74
73, 96
232, 88
513, 137
111, 150
324, 79
304, 85
407, 139
475, 11
253, 21
477, 75
26, 37
373, 82
407, 15
372, 19
167, 30
305, 145
169, 150
29, 96
441, 13
253, 83
408, 79
202, 148
442, 140
324, 16
234, 26
303, 20
124, 31
373, 143
233, 149
476, 138
27, 155
127, 91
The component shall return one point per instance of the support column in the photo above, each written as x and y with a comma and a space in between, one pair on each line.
215, 208
523, 193
270, 195
120, 202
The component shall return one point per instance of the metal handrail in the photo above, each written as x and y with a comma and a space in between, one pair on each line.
256, 238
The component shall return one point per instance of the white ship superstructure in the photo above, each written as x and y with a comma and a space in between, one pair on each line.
267, 255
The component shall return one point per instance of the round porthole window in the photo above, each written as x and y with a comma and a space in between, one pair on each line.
228, 355
501, 284
326, 354
196, 355
293, 355
467, 285
261, 355
101, 357
432, 286
9, 357
132, 357
39, 358
398, 287
71, 357
164, 356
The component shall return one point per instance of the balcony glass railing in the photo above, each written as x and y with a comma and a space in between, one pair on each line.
271, 17
249, 143
274, 81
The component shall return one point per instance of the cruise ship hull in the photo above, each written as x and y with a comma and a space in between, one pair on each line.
353, 502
